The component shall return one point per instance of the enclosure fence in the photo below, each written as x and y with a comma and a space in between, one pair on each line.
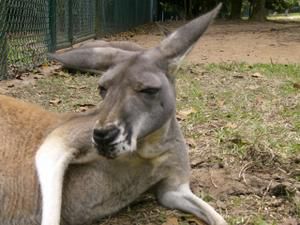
31, 28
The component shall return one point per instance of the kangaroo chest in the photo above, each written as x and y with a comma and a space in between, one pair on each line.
102, 188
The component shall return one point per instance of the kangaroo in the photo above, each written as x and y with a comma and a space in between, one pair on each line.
120, 45
75, 168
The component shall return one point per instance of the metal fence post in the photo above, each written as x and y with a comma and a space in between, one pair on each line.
98, 19
3, 41
70, 30
52, 25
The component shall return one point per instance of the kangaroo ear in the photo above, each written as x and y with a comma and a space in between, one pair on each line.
123, 45
179, 43
94, 60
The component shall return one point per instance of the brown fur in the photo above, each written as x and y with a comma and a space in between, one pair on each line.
23, 126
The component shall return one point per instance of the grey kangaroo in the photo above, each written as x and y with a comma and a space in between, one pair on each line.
75, 168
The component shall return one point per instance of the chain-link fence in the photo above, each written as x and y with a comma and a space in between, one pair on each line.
23, 35
120, 15
31, 28
75, 21
3, 41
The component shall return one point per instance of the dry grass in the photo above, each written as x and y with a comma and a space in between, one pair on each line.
242, 124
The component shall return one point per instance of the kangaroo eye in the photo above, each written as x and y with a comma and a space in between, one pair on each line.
150, 91
102, 91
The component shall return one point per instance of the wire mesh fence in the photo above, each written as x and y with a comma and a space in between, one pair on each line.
62, 23
83, 13
75, 21
120, 15
31, 28
24, 35
3, 41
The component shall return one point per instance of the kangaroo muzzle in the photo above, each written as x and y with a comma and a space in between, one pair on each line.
105, 140
113, 140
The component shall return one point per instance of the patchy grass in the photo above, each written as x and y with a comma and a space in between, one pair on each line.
255, 106
282, 17
243, 114
242, 124
25, 51
62, 92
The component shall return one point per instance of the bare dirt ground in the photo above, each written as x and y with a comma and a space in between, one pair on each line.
241, 123
235, 41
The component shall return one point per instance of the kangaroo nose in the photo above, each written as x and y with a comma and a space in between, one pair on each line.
104, 136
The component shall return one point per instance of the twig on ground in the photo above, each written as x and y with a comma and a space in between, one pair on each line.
243, 170
211, 179
264, 195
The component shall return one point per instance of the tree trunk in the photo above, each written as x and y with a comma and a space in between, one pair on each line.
236, 6
259, 10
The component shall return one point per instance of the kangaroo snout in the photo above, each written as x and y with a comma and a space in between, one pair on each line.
104, 137
105, 140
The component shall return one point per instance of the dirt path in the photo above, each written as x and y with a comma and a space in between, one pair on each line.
235, 42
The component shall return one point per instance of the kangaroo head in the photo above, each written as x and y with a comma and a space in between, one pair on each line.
137, 87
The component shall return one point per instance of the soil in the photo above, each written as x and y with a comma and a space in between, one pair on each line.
234, 42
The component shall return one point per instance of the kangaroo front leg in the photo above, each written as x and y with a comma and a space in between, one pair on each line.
183, 199
52, 160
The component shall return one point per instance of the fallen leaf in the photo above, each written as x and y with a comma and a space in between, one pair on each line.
82, 87
183, 114
19, 76
44, 65
10, 85
231, 125
171, 221
83, 107
296, 85
76, 87
72, 87
257, 75
220, 103
191, 142
238, 76
196, 221
55, 101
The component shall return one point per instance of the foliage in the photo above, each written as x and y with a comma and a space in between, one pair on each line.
281, 5
192, 8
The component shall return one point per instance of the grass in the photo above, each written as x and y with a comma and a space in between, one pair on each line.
26, 51
62, 92
232, 115
250, 112
283, 17
250, 104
